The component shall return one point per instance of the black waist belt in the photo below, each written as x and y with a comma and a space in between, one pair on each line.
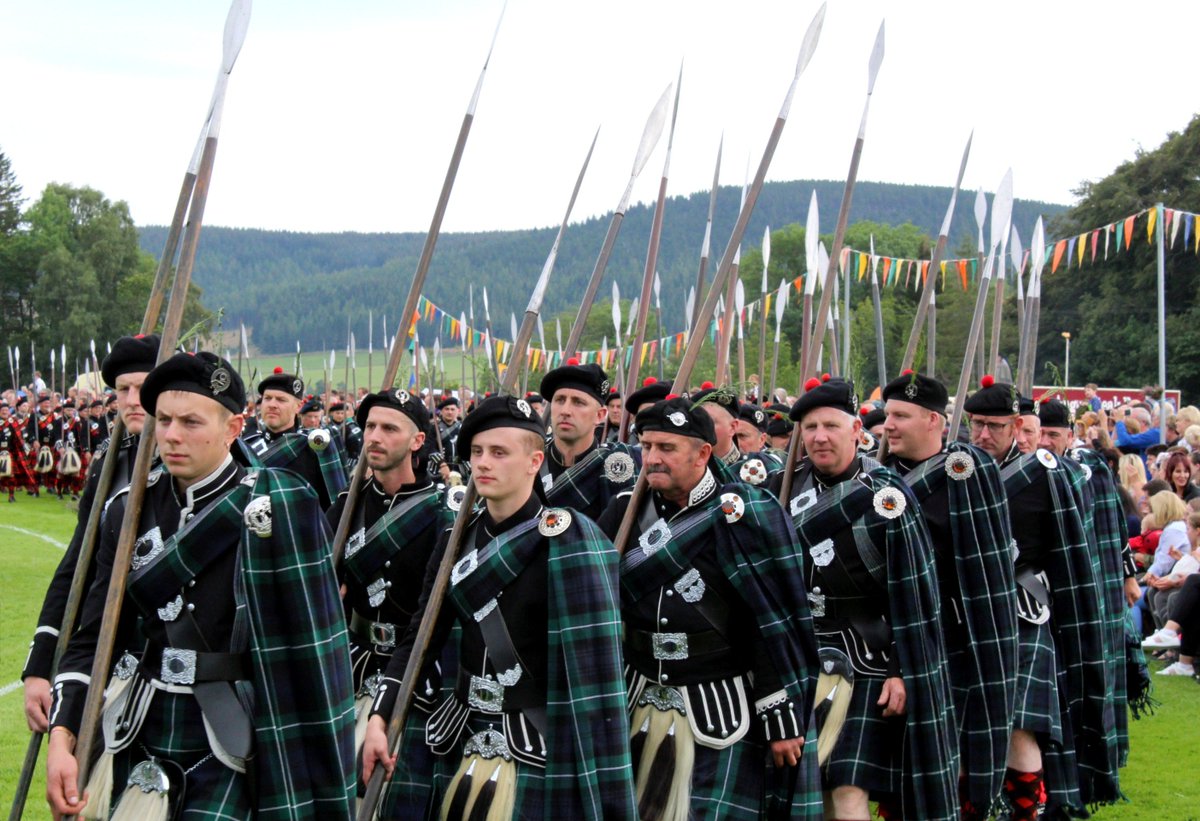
382, 636
181, 666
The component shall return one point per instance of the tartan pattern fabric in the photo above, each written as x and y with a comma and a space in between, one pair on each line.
288, 448
392, 532
588, 771
585, 486
1105, 522
930, 756
1078, 622
174, 733
861, 756
291, 617
984, 676
759, 555
1037, 699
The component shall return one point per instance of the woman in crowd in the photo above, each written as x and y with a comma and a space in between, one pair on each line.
1178, 473
1133, 477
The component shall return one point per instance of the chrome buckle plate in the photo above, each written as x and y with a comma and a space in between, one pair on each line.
178, 666
383, 634
486, 695
669, 646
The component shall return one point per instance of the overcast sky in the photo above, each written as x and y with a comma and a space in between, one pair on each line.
342, 116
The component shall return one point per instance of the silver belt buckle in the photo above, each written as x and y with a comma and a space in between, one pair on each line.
178, 666
383, 634
486, 695
669, 646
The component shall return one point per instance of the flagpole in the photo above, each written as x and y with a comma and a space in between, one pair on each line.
1162, 321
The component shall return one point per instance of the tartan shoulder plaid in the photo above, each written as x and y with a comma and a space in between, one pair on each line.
1078, 617
982, 553
931, 749
303, 698
1104, 522
592, 482
588, 770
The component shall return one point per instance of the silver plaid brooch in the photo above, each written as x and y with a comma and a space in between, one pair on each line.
960, 466
889, 503
618, 467
258, 516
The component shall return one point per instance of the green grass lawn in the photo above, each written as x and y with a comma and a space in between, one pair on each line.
1158, 780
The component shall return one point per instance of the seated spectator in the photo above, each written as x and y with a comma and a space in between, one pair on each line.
1131, 475
1163, 590
1148, 490
1145, 542
1182, 629
1178, 474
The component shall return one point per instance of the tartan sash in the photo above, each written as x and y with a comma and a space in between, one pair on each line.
981, 533
556, 488
645, 570
288, 448
186, 552
402, 525
482, 573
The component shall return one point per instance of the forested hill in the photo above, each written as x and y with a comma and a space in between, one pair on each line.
287, 286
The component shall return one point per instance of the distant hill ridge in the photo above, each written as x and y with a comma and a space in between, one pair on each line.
286, 285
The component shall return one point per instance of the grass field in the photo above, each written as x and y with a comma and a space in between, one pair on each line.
1157, 781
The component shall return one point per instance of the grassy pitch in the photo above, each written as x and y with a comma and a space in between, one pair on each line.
33, 533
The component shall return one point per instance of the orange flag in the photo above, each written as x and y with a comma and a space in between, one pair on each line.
962, 273
1129, 229
1060, 247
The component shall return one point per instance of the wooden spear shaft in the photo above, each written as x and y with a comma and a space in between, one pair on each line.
396, 351
416, 658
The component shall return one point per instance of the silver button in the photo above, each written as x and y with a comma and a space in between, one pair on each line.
670, 592
191, 583
663, 620
663, 678
387, 564
191, 606
710, 728
816, 590
776, 711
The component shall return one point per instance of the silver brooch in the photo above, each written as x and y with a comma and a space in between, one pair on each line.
455, 496
126, 667
297, 387
890, 503
171, 610
258, 517
822, 553
524, 408
220, 381
401, 397
733, 507
662, 699
147, 549
657, 535
1047, 458
149, 776
960, 466
318, 439
753, 471
376, 592
866, 441
677, 419
618, 467
911, 390
690, 586
464, 567
554, 521
487, 745
803, 502
355, 542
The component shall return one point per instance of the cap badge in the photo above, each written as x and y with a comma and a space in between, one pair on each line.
401, 397
911, 390
220, 381
297, 387
524, 408
677, 419
604, 388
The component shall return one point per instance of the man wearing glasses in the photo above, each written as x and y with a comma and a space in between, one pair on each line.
1063, 750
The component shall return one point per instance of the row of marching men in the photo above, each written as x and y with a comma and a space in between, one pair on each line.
48, 443
940, 634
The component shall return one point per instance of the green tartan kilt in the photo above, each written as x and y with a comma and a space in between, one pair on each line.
173, 732
734, 783
868, 752
410, 794
1037, 706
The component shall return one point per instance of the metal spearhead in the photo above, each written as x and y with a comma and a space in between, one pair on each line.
1002, 208
812, 237
633, 314
657, 291
807, 49
780, 304
962, 167
739, 304
616, 309
691, 304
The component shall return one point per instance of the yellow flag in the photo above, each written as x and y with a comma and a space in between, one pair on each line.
1150, 223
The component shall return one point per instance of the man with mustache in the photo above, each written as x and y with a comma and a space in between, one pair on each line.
718, 643
398, 520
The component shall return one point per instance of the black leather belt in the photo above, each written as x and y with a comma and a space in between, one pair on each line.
181, 666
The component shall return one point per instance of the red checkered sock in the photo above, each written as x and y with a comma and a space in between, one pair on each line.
1026, 793
969, 811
